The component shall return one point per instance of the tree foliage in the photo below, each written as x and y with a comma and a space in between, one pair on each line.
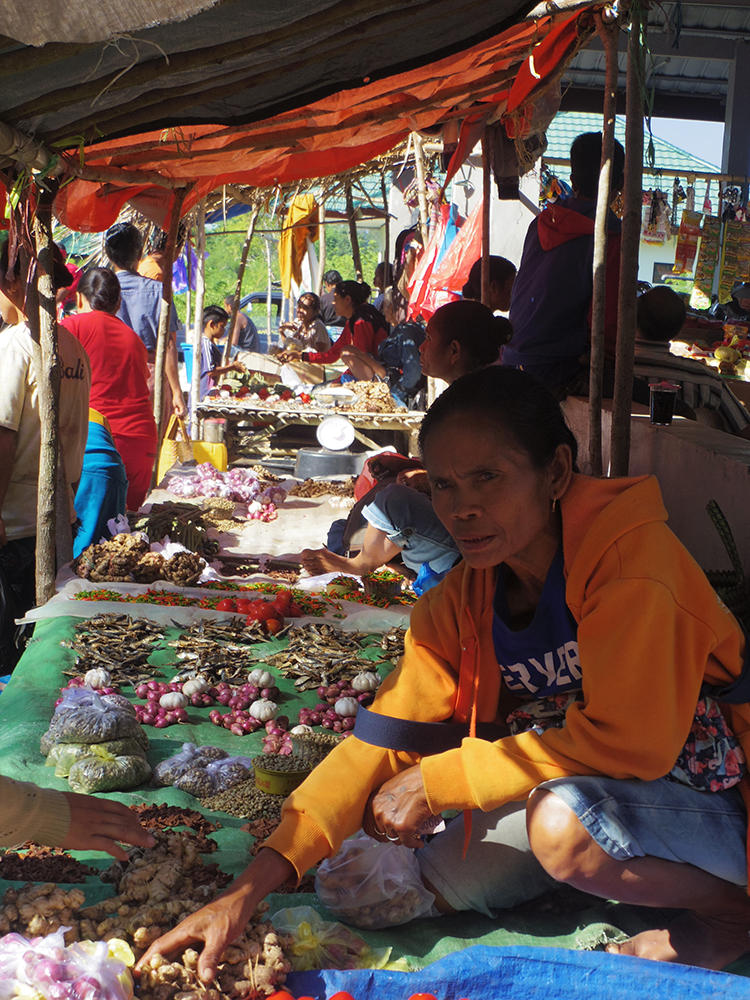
224, 249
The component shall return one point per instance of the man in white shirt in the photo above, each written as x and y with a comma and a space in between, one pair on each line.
20, 433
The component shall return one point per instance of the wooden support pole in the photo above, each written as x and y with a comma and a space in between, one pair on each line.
486, 198
608, 33
386, 228
421, 185
238, 283
631, 234
356, 256
269, 290
197, 325
166, 304
43, 324
321, 245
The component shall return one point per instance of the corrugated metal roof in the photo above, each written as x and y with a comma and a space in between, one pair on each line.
567, 125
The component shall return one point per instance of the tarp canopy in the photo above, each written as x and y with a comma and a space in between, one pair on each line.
259, 94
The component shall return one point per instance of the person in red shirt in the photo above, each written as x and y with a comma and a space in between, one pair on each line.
365, 329
119, 376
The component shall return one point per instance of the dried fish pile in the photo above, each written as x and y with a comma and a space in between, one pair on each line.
393, 643
319, 654
316, 488
218, 651
371, 397
119, 643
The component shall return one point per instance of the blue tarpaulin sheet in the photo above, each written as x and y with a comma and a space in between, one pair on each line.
485, 973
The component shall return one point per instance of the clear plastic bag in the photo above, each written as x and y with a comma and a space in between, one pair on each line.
168, 771
216, 776
104, 772
46, 967
86, 717
62, 756
369, 884
324, 944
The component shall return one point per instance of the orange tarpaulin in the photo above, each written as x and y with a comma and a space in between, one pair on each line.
320, 139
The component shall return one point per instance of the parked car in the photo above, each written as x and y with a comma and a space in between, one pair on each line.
254, 305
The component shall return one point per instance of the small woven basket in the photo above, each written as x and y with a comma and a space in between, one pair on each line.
730, 584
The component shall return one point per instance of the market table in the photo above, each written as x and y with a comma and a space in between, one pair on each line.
266, 420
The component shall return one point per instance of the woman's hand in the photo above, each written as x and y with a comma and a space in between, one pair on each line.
399, 809
178, 405
222, 921
101, 825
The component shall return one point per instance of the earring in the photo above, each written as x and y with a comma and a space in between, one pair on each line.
554, 504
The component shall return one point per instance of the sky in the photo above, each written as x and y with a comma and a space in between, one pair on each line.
702, 139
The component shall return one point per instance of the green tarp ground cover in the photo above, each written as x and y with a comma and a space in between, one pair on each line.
565, 919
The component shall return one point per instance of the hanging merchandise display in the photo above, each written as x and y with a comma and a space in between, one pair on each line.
705, 268
731, 197
678, 196
735, 260
707, 206
687, 242
690, 194
656, 222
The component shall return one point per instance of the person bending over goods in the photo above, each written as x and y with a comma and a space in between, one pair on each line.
140, 304
215, 321
703, 392
245, 335
308, 330
66, 819
119, 376
581, 631
460, 337
364, 329
502, 276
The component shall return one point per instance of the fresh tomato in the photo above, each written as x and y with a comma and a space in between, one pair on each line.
305, 397
287, 394
263, 392
274, 625
244, 605
227, 604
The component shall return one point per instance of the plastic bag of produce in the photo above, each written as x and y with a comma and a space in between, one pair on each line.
62, 756
45, 967
323, 944
168, 771
104, 772
216, 776
83, 716
369, 884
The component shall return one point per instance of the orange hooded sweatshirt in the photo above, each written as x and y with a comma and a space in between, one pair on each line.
650, 630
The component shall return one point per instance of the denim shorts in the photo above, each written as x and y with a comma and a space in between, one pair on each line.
626, 818
408, 518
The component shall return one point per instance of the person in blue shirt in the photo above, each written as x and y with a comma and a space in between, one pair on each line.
215, 321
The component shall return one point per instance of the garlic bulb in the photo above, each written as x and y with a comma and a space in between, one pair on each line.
346, 707
173, 699
264, 710
366, 681
301, 730
196, 685
97, 677
260, 678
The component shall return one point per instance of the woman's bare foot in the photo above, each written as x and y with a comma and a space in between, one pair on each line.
710, 943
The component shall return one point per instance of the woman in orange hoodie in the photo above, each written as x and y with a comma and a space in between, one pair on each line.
569, 658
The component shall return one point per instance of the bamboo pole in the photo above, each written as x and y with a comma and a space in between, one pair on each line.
321, 245
166, 303
631, 233
197, 325
608, 35
240, 276
421, 185
43, 323
356, 256
269, 289
486, 195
